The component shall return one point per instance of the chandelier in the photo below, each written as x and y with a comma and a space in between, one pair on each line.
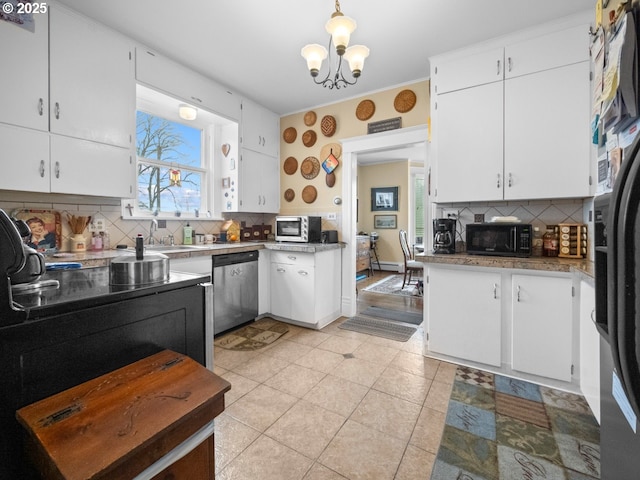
340, 28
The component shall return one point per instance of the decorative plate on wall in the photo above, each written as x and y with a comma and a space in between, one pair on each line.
331, 179
365, 110
328, 125
329, 148
290, 165
309, 138
309, 194
310, 168
310, 118
289, 194
405, 101
289, 135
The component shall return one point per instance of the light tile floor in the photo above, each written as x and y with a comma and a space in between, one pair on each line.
331, 404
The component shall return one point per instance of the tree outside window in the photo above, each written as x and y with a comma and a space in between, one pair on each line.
170, 165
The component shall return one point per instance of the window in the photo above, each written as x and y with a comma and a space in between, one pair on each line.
417, 214
172, 173
179, 161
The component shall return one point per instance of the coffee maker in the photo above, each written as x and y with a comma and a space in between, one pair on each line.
444, 235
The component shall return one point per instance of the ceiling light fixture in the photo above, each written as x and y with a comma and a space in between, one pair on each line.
187, 112
340, 28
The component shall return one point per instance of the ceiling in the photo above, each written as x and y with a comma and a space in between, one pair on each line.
253, 46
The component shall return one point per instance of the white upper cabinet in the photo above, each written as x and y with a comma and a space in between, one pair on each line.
468, 71
260, 129
553, 50
24, 98
546, 134
469, 142
161, 73
523, 135
259, 183
92, 85
25, 159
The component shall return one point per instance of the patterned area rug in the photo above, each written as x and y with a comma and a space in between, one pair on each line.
392, 285
259, 334
499, 428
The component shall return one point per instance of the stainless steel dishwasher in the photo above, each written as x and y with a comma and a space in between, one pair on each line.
235, 290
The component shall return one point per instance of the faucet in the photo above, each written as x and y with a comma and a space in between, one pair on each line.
153, 227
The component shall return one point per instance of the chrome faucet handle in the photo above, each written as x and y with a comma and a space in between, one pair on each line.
171, 240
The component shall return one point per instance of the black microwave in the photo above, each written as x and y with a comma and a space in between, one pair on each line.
499, 238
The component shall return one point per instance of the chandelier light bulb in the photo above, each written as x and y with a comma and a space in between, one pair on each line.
340, 28
314, 54
355, 55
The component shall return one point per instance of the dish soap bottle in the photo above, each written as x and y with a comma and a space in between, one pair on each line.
187, 235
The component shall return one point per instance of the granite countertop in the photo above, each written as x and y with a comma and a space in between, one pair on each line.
103, 258
548, 264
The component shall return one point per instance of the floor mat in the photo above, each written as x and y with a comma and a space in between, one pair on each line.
392, 285
500, 428
257, 335
398, 315
379, 328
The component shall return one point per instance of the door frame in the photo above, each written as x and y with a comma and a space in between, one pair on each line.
351, 147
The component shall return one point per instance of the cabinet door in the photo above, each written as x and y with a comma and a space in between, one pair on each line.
553, 50
546, 128
281, 289
260, 129
542, 325
465, 326
472, 70
88, 168
24, 98
25, 164
469, 144
589, 349
259, 188
92, 82
302, 294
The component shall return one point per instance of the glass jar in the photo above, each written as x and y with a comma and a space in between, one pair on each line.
536, 245
550, 242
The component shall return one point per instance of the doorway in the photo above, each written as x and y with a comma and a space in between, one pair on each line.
396, 142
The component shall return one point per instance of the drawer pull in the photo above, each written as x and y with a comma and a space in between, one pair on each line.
41, 168
40, 106
495, 290
292, 257
280, 270
518, 294
303, 272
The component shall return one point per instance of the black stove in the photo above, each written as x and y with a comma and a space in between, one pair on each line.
66, 290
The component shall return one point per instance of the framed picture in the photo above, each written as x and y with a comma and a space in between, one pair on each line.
385, 221
384, 198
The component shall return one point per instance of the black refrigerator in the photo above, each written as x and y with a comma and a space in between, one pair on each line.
617, 279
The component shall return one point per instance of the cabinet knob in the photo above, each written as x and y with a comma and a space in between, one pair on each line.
498, 184
303, 272
40, 106
56, 111
41, 169
495, 291
518, 294
280, 270
510, 179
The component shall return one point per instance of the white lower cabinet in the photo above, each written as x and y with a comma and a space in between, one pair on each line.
305, 287
468, 327
542, 326
516, 321
589, 349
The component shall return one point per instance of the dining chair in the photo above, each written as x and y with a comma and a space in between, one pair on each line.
410, 265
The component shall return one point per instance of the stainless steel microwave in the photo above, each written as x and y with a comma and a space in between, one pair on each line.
499, 238
299, 229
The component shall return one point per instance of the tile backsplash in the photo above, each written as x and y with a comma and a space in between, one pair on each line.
539, 213
122, 231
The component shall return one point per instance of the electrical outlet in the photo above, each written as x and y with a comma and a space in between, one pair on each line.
452, 213
162, 224
332, 216
478, 217
98, 225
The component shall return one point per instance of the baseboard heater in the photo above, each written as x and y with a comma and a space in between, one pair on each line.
389, 266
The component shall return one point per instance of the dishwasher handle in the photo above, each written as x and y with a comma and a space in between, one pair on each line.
234, 258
